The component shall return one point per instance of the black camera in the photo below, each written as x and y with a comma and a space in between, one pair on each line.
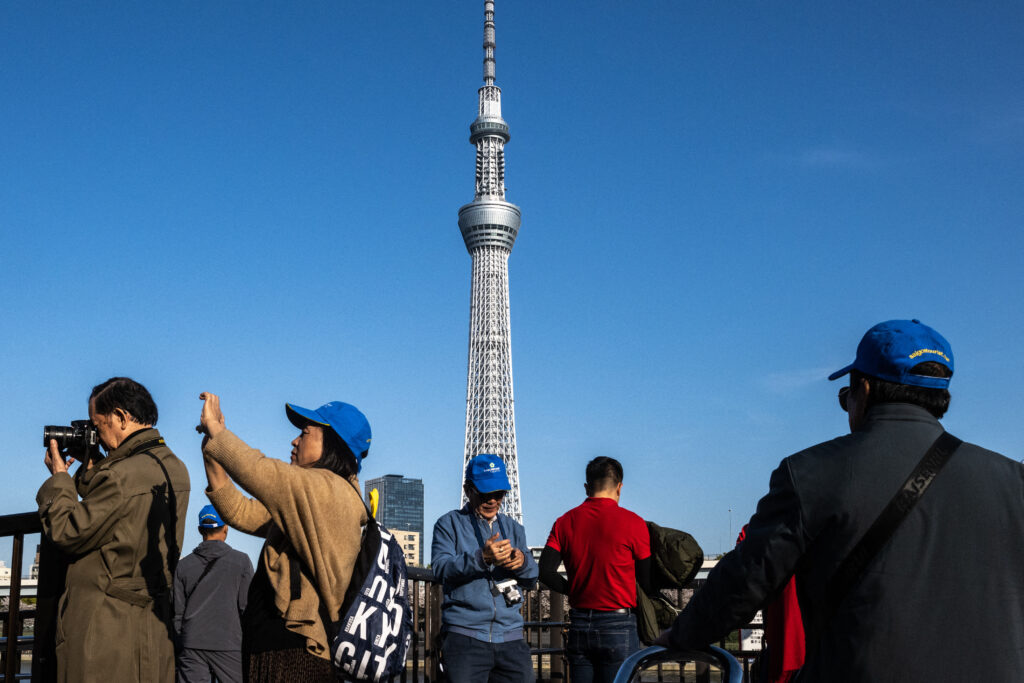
77, 441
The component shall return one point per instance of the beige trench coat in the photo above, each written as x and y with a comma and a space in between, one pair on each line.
124, 537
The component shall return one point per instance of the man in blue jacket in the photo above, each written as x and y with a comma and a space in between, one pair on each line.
480, 557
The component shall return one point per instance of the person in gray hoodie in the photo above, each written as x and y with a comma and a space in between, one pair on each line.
210, 589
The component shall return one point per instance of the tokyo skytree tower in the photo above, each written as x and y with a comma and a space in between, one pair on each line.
489, 227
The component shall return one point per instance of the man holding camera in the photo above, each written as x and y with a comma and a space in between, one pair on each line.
122, 540
480, 557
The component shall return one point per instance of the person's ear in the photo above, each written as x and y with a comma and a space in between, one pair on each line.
586, 488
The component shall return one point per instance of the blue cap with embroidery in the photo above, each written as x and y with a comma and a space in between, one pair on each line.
209, 519
487, 473
891, 349
345, 419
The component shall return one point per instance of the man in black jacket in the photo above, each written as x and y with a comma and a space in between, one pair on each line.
210, 590
943, 598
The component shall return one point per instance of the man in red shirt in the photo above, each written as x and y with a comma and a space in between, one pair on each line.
607, 551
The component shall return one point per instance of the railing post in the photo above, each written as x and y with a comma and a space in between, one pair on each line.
431, 645
555, 635
414, 595
49, 589
12, 659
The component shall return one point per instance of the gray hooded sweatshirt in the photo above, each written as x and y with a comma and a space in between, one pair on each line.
207, 615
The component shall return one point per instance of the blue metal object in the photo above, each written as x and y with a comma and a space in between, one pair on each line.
732, 672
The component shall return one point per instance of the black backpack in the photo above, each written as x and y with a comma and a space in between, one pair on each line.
372, 636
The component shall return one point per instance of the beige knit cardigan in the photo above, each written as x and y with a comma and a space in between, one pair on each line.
309, 512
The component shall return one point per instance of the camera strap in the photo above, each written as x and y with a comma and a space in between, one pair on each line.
480, 540
146, 445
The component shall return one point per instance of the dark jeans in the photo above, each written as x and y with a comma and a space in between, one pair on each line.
468, 660
598, 644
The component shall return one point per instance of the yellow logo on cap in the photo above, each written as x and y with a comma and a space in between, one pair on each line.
917, 353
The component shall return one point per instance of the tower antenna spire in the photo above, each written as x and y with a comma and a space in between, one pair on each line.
489, 227
489, 44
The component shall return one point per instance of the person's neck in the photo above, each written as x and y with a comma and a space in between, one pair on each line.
612, 494
129, 431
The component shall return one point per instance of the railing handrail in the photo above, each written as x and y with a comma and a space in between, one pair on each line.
20, 523
421, 574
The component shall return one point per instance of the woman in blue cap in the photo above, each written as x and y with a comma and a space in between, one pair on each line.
310, 512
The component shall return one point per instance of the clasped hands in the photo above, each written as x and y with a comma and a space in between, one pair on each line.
500, 553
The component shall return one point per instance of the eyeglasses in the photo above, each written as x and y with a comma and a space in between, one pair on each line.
844, 393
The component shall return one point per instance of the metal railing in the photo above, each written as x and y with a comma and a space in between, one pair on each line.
12, 641
544, 625
544, 615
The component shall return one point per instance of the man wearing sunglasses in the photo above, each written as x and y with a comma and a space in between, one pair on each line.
481, 559
932, 588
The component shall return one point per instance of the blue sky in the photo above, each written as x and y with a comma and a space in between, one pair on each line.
260, 200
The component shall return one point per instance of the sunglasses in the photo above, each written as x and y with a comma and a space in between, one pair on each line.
490, 495
843, 395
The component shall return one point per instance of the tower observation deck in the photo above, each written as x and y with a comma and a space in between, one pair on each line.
489, 226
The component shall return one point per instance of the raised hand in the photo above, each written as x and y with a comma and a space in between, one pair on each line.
211, 420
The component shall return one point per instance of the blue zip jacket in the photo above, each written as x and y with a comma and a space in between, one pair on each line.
469, 607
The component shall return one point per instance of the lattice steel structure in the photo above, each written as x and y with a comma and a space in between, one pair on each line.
489, 227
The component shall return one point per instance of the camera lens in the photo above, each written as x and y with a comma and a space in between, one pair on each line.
62, 435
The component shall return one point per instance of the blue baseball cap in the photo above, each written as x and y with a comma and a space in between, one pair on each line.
344, 418
209, 519
891, 349
487, 473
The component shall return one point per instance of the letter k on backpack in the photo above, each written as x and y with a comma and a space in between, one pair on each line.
373, 635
